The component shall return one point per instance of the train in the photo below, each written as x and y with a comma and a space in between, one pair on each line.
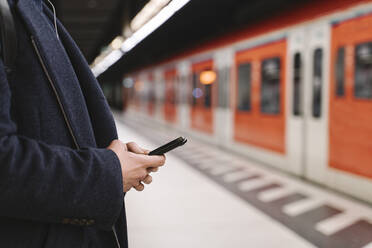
294, 93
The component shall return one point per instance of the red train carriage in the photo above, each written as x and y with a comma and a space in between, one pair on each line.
301, 93
260, 96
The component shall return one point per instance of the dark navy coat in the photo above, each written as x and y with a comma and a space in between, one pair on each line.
55, 191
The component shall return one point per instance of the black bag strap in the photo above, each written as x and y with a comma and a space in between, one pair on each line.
8, 36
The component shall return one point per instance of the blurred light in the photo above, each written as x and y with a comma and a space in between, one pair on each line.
117, 43
197, 93
108, 61
140, 35
208, 77
149, 11
153, 24
128, 83
138, 86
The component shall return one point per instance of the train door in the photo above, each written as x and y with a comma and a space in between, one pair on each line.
170, 108
183, 95
224, 59
350, 124
203, 81
316, 100
295, 102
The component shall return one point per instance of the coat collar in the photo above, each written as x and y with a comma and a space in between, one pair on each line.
60, 69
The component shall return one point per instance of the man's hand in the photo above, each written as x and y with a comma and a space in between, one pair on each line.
133, 147
135, 164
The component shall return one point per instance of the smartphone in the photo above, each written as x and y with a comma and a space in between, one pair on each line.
169, 146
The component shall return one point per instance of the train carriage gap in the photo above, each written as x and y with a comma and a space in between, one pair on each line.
170, 107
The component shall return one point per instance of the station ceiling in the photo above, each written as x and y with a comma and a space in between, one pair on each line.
95, 23
198, 22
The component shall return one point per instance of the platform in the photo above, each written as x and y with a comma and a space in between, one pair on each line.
205, 197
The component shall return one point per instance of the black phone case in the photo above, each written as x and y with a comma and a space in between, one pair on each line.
169, 146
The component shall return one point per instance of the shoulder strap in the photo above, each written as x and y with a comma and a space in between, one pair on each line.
8, 35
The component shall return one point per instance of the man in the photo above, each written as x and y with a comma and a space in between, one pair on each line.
63, 173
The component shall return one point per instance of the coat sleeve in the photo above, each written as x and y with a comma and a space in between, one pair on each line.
55, 184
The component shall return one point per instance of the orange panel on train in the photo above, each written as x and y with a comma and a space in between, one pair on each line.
350, 138
202, 98
260, 96
170, 108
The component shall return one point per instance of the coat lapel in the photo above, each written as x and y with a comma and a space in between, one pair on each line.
61, 71
102, 120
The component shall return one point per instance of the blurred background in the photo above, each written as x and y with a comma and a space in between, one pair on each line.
275, 98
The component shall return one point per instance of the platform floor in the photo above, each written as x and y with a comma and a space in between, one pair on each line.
205, 197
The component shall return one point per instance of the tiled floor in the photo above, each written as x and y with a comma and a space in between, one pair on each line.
199, 200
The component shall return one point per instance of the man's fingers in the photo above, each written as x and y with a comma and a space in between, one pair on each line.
152, 169
133, 147
146, 151
139, 187
147, 180
124, 146
153, 161
127, 187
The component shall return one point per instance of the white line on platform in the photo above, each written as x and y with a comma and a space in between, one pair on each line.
274, 194
188, 152
336, 223
198, 156
302, 206
205, 166
239, 164
236, 176
253, 184
221, 170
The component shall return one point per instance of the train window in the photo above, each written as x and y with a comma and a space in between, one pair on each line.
152, 98
270, 86
170, 91
244, 86
317, 82
363, 71
175, 96
183, 89
160, 92
194, 87
297, 84
223, 87
207, 95
340, 72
